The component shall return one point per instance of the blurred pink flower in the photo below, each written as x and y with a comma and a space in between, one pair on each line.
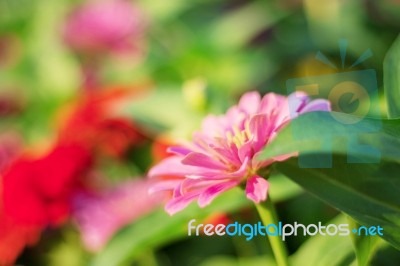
222, 154
104, 26
101, 215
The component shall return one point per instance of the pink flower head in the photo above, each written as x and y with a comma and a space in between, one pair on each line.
222, 155
104, 25
101, 215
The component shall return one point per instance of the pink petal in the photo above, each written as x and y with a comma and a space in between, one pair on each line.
210, 193
271, 102
260, 127
179, 150
202, 160
234, 117
246, 150
242, 170
198, 185
316, 105
179, 203
260, 164
257, 188
297, 101
212, 125
250, 102
171, 166
164, 185
238, 174
284, 157
227, 150
300, 103
177, 191
276, 107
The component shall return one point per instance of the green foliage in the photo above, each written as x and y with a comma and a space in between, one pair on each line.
325, 250
369, 193
392, 79
365, 246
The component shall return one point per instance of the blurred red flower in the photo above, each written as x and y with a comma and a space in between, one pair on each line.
90, 122
38, 191
14, 237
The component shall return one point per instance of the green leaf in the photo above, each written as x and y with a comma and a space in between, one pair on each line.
245, 261
325, 250
309, 134
239, 26
391, 75
282, 188
385, 255
365, 246
368, 192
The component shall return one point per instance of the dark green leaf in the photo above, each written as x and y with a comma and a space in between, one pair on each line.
391, 71
368, 192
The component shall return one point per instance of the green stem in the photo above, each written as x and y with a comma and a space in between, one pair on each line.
268, 215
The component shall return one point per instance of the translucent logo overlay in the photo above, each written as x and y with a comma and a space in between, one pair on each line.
351, 92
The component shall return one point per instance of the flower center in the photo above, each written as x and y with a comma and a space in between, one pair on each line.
239, 136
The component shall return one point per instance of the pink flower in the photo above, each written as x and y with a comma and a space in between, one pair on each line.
222, 155
100, 215
104, 25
